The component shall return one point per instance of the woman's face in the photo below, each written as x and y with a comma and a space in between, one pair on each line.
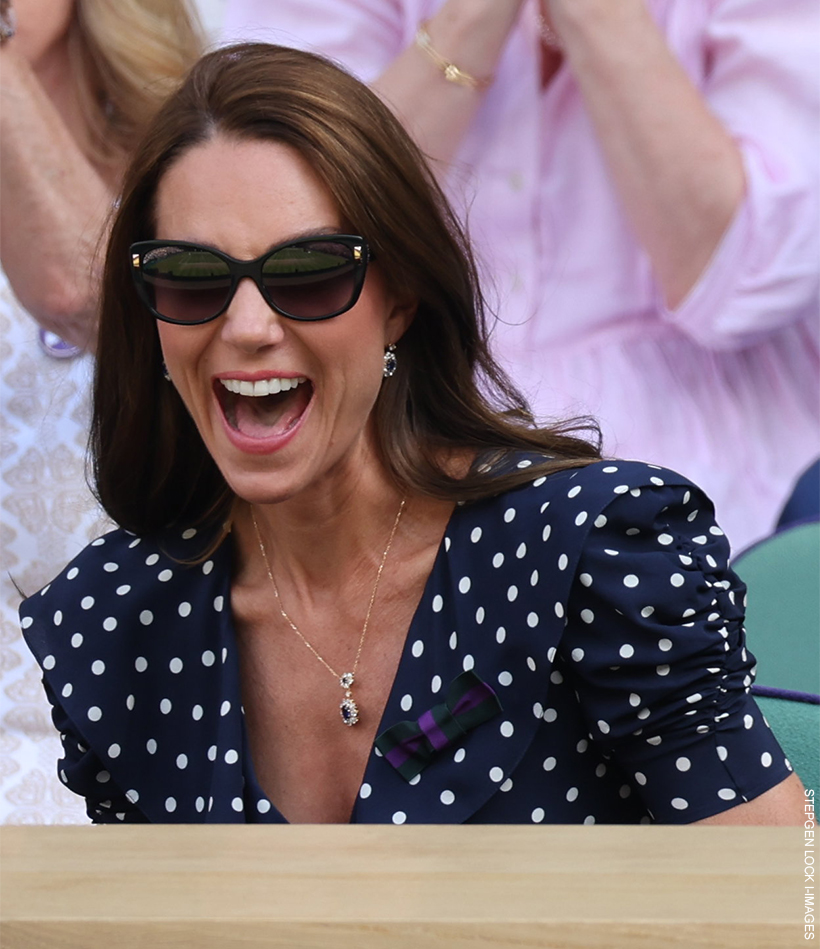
244, 197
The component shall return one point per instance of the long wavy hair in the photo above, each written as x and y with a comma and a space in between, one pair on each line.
448, 395
128, 56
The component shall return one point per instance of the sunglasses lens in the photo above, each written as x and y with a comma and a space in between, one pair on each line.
184, 285
312, 280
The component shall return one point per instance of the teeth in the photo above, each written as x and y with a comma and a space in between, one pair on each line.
261, 387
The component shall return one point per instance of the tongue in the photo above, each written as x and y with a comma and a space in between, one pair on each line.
264, 416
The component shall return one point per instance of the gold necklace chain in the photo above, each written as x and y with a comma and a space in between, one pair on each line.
348, 708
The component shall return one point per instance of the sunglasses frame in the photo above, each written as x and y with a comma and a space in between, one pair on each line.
362, 255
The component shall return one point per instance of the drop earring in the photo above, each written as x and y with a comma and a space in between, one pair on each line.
165, 374
390, 363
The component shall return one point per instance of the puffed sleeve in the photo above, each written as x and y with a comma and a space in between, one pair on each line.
762, 82
656, 647
82, 772
364, 35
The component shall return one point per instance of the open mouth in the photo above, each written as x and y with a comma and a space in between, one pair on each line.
266, 407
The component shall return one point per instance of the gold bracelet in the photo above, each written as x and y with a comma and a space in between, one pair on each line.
451, 72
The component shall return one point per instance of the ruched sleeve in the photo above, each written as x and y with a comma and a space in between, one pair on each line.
655, 647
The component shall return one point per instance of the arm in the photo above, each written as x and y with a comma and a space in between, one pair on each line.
720, 185
54, 205
783, 804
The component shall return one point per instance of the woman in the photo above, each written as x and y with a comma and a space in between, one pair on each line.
640, 178
352, 580
78, 82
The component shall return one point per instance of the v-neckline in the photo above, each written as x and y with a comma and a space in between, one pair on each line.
249, 767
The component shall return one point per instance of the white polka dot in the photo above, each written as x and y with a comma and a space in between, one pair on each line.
679, 803
417, 648
538, 815
98, 667
208, 658
132, 795
507, 729
574, 492
453, 640
212, 753
505, 678
766, 759
630, 580
199, 804
538, 710
634, 699
231, 756
600, 770
556, 678
577, 654
506, 786
94, 713
262, 805
399, 817
550, 715
406, 703
643, 714
587, 616
464, 585
532, 620
586, 579
468, 663
497, 775
165, 706
184, 609
559, 609
475, 535
626, 651
664, 645
582, 746
68, 688
165, 575
563, 562
72, 573
748, 721
140, 663
621, 489
647, 611
683, 764
521, 551
581, 518
640, 778
603, 727
534, 578
146, 617
151, 746
459, 756
175, 665
197, 712
666, 539
438, 603
551, 653
677, 580
125, 588
365, 791
87, 602
182, 762
447, 797
225, 708
694, 698
151, 559
114, 751
662, 670
509, 515
624, 791
572, 795
26, 622
435, 684
727, 794
545, 533
549, 764
498, 560
109, 624
219, 603
237, 804
188, 534
512, 593
207, 567
600, 521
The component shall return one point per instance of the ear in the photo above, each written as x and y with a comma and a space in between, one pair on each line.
401, 316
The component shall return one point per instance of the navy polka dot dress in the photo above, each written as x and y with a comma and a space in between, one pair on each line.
577, 657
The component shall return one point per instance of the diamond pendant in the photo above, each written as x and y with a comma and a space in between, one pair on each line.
348, 708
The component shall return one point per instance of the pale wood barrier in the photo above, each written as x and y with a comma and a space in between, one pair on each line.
378, 887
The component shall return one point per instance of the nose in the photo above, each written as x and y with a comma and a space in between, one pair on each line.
249, 323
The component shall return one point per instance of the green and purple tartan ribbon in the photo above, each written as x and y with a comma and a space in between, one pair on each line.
410, 746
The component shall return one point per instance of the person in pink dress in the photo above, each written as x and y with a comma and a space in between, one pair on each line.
640, 178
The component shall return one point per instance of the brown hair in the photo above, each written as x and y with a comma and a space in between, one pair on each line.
448, 394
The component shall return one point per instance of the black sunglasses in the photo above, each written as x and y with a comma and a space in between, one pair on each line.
312, 278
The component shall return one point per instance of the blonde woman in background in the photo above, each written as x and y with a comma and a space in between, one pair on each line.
79, 79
